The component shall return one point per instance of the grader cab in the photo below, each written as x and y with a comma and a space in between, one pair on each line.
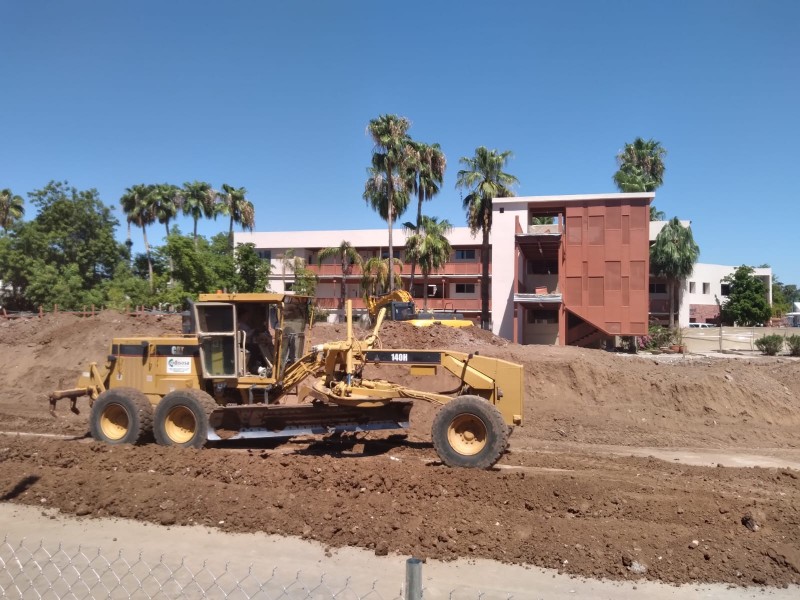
240, 371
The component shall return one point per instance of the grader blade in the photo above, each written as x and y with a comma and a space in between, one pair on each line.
284, 421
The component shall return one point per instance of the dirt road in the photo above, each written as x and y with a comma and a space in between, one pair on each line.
560, 498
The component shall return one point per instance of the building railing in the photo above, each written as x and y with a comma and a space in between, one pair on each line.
450, 268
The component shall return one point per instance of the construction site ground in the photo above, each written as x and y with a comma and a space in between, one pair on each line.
668, 468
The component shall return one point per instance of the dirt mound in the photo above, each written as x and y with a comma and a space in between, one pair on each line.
575, 510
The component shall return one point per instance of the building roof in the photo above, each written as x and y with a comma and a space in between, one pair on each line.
570, 199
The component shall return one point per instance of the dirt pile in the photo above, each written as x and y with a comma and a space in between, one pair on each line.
569, 508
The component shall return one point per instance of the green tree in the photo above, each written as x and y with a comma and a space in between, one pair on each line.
426, 172
234, 204
253, 272
386, 189
641, 169
429, 247
197, 200
483, 178
164, 200
377, 274
347, 257
747, 303
12, 208
673, 256
138, 208
64, 255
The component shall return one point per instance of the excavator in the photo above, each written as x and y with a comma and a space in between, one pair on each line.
243, 368
400, 307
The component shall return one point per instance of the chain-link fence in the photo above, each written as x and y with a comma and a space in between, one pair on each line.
33, 570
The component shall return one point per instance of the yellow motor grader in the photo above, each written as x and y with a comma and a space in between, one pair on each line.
239, 371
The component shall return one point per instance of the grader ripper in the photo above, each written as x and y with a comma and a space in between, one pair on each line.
221, 380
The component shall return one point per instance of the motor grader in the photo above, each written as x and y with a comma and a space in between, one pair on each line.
226, 378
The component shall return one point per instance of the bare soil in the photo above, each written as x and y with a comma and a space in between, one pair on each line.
571, 508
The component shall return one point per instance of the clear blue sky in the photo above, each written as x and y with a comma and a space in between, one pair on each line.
276, 96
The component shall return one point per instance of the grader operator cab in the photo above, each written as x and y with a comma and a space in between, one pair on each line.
238, 372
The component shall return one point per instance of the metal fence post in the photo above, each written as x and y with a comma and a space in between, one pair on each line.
413, 589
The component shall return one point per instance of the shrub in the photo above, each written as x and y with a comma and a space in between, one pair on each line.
794, 344
770, 344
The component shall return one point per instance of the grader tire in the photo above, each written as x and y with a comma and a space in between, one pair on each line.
469, 432
121, 416
181, 418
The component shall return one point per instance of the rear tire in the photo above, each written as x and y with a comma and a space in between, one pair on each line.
121, 416
469, 432
181, 418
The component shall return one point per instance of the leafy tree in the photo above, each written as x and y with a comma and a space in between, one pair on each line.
164, 200
376, 275
347, 257
234, 204
12, 208
641, 169
138, 208
191, 269
197, 200
126, 289
253, 272
747, 303
426, 173
483, 177
65, 254
430, 247
673, 256
386, 189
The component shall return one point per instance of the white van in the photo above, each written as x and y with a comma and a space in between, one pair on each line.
701, 325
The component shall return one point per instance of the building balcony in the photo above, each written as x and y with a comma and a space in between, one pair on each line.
450, 269
552, 229
434, 304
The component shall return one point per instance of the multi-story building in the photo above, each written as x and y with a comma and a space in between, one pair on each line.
580, 277
456, 287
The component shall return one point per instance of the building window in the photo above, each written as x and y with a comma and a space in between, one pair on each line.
691, 287
465, 288
658, 288
726, 289
264, 254
465, 254
288, 286
706, 288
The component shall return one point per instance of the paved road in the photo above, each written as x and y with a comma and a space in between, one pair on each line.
281, 559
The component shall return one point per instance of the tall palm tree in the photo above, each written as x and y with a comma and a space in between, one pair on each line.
386, 189
197, 200
673, 256
377, 275
234, 204
12, 208
426, 172
347, 256
641, 169
136, 204
483, 177
430, 247
165, 201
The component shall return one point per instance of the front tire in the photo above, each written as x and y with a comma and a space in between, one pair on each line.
121, 416
469, 432
181, 418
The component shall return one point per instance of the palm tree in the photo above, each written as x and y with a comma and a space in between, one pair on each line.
377, 275
484, 179
386, 189
139, 211
641, 169
12, 208
240, 210
165, 201
347, 256
430, 247
673, 256
426, 173
197, 200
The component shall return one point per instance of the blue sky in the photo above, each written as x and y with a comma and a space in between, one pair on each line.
276, 97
